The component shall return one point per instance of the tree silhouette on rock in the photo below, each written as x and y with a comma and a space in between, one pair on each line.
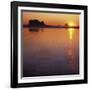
36, 23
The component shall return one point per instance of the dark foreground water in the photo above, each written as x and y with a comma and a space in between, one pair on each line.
50, 51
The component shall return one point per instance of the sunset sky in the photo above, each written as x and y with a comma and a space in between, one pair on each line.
51, 18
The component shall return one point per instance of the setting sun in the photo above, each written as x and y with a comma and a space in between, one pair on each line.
71, 24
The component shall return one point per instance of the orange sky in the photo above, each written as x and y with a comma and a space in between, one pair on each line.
51, 18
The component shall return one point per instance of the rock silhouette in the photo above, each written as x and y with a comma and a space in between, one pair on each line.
36, 23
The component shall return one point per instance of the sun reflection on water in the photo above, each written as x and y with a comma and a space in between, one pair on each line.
71, 32
71, 49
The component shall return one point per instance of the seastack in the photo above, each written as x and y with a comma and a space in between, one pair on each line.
36, 23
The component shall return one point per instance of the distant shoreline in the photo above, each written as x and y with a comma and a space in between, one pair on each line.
40, 24
51, 27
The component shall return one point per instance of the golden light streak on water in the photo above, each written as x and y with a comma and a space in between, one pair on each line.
71, 32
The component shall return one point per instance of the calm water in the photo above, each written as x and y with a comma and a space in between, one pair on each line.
50, 51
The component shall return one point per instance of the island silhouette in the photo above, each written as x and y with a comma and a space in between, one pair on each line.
40, 24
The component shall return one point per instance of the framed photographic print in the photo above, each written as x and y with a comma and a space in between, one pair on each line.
48, 44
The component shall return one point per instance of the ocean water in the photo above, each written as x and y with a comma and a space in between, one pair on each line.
50, 51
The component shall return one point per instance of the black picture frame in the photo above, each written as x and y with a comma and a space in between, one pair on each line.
14, 43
